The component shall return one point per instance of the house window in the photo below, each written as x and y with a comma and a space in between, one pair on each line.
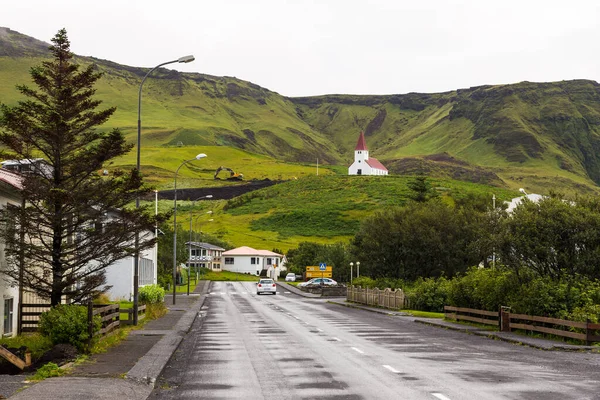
8, 316
269, 261
253, 260
359, 172
229, 260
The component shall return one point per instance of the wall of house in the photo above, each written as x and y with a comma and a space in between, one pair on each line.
120, 277
353, 169
7, 292
243, 265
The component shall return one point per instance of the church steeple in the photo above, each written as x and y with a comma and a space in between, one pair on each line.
361, 144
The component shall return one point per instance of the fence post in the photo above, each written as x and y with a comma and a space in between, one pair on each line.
90, 308
504, 319
588, 333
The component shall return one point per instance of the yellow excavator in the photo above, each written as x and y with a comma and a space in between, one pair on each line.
233, 176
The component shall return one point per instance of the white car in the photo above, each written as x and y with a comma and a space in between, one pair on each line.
319, 281
291, 277
266, 286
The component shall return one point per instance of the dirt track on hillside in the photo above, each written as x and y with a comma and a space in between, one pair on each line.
218, 192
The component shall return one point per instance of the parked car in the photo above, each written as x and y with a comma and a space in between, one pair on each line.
291, 277
266, 286
319, 281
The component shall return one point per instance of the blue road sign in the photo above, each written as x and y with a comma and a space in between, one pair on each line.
322, 267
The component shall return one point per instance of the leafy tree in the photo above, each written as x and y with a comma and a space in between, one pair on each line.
309, 253
67, 237
419, 240
554, 238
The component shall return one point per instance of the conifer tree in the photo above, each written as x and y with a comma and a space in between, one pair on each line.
75, 222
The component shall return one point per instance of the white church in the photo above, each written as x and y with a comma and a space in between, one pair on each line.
363, 165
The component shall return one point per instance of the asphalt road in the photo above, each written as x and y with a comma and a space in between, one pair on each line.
245, 346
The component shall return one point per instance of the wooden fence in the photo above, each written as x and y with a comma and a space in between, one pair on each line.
129, 311
109, 315
584, 331
472, 315
506, 321
387, 298
30, 316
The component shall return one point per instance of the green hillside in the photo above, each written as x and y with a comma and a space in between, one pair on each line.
323, 209
540, 136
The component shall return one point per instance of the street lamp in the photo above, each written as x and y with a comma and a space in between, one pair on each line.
136, 264
209, 196
198, 157
358, 269
351, 265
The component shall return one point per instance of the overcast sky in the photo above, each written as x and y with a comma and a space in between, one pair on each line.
306, 47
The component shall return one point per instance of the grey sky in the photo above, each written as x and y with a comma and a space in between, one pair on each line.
312, 47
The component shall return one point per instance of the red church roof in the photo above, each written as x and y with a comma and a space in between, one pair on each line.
374, 163
361, 144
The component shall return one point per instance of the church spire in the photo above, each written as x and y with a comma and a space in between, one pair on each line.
361, 144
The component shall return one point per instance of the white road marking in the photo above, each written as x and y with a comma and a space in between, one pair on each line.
357, 350
320, 330
222, 292
440, 396
287, 292
391, 369
336, 339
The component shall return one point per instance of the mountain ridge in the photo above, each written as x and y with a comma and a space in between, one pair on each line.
538, 135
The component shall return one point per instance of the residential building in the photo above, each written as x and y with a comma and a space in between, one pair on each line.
363, 164
247, 260
10, 183
204, 255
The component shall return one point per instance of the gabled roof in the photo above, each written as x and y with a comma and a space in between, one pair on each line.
374, 163
206, 246
11, 178
249, 251
361, 144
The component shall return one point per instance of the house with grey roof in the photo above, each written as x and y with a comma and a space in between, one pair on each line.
204, 255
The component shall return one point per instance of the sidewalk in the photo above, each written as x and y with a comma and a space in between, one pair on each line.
128, 370
538, 343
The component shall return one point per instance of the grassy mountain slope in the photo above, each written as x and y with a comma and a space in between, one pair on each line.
540, 136
322, 209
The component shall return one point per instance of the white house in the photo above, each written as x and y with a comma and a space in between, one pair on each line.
204, 255
10, 182
120, 274
363, 164
246, 260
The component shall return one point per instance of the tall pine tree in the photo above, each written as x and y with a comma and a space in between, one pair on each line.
75, 222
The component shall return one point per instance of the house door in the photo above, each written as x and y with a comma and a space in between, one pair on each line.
8, 316
359, 172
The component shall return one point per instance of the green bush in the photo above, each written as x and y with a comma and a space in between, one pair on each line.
68, 323
483, 289
364, 282
428, 294
151, 294
49, 370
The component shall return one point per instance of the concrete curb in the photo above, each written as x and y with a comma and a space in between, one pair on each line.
150, 366
371, 309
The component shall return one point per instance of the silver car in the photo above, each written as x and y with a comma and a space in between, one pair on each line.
266, 286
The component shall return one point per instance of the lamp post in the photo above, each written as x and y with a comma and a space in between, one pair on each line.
190, 243
358, 269
351, 265
198, 157
136, 263
200, 225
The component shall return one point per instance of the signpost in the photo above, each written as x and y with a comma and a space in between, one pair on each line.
319, 271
